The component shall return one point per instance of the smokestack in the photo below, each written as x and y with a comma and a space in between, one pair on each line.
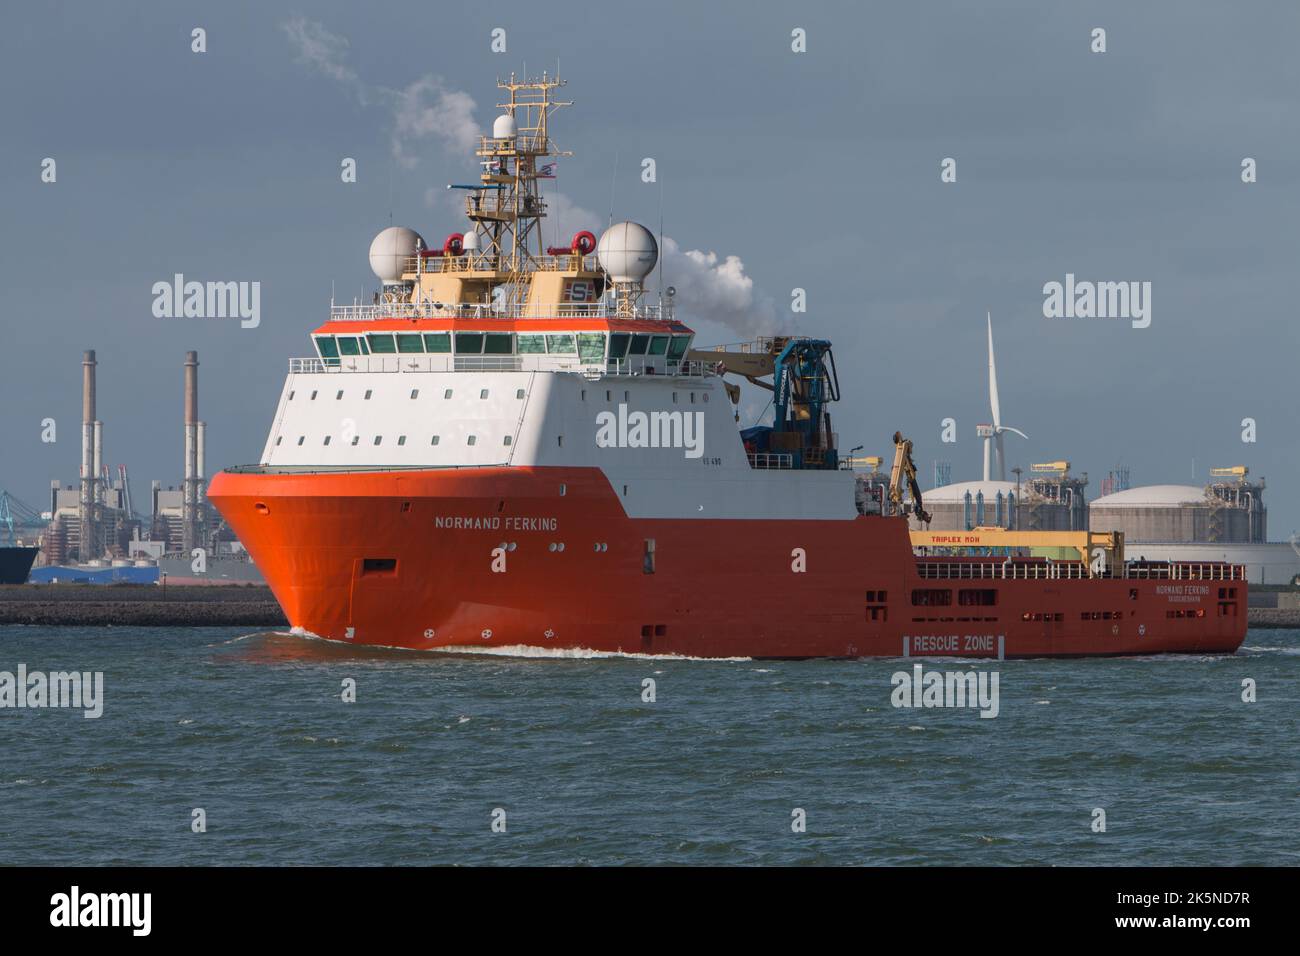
190, 496
97, 462
89, 475
199, 473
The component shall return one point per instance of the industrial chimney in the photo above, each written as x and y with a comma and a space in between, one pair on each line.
87, 510
190, 521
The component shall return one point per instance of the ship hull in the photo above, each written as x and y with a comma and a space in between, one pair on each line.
16, 564
519, 558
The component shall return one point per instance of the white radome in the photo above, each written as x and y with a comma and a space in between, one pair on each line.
627, 251
390, 249
470, 242
503, 127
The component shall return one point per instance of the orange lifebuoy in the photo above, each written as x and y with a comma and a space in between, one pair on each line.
584, 242
454, 245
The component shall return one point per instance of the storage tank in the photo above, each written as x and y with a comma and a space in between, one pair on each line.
1230, 512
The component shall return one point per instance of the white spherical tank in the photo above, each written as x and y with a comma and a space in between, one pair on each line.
627, 251
390, 250
503, 127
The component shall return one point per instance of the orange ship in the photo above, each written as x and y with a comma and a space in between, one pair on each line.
512, 450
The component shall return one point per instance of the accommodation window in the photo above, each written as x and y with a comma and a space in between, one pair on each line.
931, 597
367, 395
291, 396
378, 439
339, 396
401, 439
519, 393
279, 439
472, 439
977, 597
313, 394
327, 439
447, 394
435, 440
483, 393
415, 393
355, 439
506, 440
301, 439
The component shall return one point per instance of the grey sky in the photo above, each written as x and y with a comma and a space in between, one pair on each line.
818, 170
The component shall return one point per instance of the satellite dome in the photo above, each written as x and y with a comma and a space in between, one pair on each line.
503, 127
470, 242
390, 250
627, 251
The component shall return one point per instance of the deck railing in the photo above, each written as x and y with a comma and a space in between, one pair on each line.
1073, 570
465, 310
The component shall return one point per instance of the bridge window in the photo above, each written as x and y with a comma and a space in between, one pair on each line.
591, 346
348, 345
639, 344
409, 342
659, 345
498, 343
328, 349
469, 343
560, 345
678, 347
618, 342
437, 341
532, 344
382, 343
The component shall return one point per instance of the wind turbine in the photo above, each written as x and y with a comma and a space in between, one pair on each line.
992, 434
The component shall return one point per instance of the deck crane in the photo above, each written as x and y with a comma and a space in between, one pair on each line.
905, 468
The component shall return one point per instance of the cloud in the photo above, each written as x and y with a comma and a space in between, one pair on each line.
426, 109
717, 289
321, 50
